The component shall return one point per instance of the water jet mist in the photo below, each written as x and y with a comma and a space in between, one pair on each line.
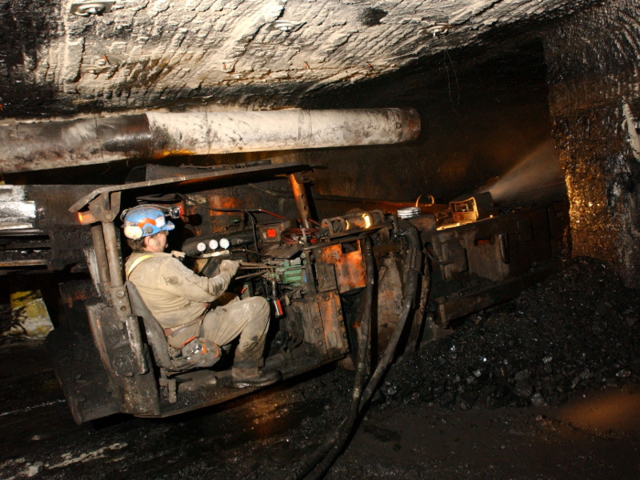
537, 177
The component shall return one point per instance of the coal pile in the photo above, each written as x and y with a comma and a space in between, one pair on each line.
578, 330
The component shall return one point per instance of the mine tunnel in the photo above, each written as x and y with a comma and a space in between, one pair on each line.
302, 239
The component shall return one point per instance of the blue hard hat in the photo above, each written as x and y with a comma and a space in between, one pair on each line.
144, 221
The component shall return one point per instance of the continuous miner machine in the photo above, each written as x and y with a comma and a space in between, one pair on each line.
349, 281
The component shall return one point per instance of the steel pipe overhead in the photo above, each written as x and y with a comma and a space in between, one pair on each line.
86, 141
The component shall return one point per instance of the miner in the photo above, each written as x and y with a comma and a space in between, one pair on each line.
180, 299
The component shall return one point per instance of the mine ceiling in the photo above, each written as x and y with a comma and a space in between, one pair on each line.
60, 57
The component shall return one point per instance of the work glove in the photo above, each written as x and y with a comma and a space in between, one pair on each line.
229, 266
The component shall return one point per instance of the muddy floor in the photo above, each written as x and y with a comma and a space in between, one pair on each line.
443, 412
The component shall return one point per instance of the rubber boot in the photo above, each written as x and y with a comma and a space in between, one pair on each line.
253, 377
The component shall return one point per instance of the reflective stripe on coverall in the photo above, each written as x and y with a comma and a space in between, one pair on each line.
176, 296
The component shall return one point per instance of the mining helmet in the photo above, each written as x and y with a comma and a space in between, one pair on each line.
144, 221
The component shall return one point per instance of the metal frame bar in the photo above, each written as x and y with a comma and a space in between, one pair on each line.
282, 168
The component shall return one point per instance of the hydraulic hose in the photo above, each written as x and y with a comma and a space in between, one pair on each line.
412, 262
345, 432
325, 455
340, 435
365, 331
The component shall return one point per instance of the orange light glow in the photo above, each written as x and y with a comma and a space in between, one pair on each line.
86, 218
602, 411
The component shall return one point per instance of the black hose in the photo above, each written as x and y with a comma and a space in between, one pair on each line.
338, 438
325, 455
433, 257
365, 331
345, 433
412, 264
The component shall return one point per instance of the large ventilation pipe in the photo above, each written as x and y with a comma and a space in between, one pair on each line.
46, 145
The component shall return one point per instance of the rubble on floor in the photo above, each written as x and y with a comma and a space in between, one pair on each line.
579, 330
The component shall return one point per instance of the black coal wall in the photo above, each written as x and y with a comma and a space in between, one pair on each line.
593, 71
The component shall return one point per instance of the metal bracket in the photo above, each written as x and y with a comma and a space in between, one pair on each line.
286, 26
106, 206
86, 9
303, 177
171, 385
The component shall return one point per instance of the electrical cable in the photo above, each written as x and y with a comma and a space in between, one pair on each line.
310, 233
341, 434
246, 250
253, 229
412, 261
239, 210
433, 257
243, 210
260, 210
321, 460
347, 431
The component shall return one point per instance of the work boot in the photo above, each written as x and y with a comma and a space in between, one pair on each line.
253, 377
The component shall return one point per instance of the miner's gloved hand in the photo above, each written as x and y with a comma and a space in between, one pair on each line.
229, 266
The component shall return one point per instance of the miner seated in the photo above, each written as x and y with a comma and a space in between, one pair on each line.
180, 299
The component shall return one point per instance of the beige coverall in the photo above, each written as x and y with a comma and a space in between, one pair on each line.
177, 296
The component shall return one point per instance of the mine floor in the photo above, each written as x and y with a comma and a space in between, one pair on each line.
575, 425
595, 436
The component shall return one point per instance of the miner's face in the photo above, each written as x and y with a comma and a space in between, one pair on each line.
156, 243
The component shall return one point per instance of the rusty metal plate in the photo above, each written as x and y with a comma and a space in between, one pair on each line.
449, 309
326, 277
349, 267
389, 299
424, 223
335, 336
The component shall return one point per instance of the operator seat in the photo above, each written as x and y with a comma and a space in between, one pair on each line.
156, 337
168, 364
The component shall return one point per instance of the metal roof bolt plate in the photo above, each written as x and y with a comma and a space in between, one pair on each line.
85, 9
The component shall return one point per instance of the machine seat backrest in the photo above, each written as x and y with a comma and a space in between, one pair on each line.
155, 334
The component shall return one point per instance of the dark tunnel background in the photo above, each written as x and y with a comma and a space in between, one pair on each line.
477, 123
